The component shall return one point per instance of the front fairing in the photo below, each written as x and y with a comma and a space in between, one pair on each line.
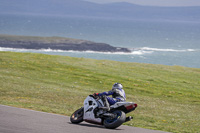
89, 105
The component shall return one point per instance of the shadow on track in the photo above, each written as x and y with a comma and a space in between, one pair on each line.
95, 126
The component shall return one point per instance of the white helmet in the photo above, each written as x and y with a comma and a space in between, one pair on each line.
117, 86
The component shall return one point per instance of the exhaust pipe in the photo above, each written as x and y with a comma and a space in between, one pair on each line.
128, 118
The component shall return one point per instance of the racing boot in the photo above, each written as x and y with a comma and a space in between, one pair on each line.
106, 104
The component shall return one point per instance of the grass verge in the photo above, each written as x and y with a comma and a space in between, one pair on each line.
168, 97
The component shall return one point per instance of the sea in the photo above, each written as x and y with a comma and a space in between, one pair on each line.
166, 42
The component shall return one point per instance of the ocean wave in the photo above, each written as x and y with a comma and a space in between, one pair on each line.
137, 51
11, 49
167, 50
134, 52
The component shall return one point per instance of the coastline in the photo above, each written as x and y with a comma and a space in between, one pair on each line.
56, 43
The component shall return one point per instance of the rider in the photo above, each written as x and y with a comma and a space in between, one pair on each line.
118, 95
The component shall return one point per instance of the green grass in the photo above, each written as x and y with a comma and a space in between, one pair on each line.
168, 97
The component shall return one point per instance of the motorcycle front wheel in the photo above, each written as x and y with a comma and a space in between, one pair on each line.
77, 116
115, 122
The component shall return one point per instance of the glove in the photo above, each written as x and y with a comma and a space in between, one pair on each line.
95, 94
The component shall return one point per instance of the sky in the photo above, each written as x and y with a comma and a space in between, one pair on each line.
154, 2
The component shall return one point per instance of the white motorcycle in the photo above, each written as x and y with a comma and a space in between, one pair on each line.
110, 119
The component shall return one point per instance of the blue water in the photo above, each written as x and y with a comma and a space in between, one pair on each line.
153, 41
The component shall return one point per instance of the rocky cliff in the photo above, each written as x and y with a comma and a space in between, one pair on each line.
57, 43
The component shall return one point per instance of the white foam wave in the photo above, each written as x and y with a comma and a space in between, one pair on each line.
138, 51
12, 49
167, 50
134, 52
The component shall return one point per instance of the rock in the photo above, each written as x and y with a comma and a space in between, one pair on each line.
56, 43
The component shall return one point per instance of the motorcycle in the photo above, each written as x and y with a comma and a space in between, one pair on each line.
91, 112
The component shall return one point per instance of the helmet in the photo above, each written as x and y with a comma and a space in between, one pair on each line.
117, 86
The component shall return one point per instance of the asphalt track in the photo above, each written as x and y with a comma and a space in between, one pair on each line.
17, 120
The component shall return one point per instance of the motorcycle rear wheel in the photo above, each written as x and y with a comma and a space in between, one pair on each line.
77, 116
115, 122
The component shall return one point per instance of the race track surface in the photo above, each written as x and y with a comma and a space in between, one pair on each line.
17, 120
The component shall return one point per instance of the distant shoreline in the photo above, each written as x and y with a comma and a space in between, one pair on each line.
56, 43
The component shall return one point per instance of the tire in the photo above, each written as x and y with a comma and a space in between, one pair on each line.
77, 116
115, 122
